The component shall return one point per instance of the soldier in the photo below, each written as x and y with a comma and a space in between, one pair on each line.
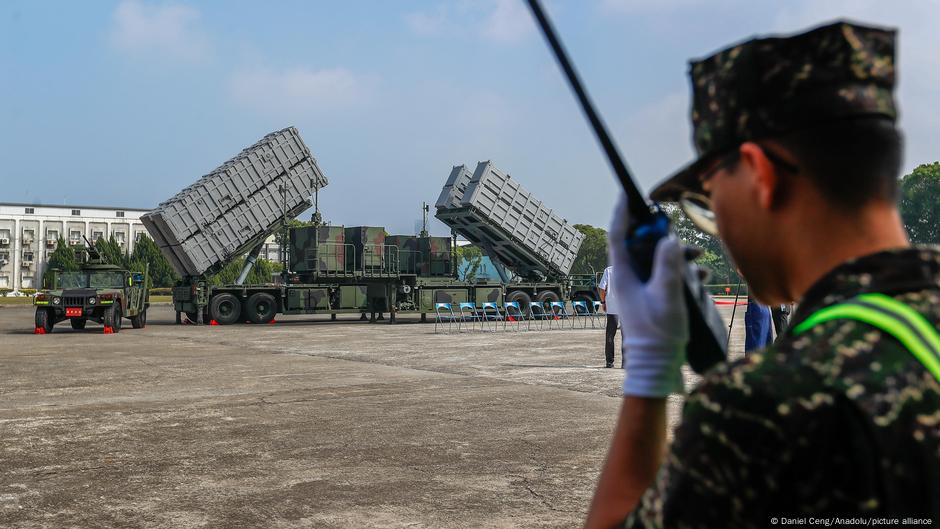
797, 144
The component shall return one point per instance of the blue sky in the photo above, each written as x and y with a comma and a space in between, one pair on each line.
125, 103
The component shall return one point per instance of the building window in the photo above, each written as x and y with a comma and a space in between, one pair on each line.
119, 237
30, 211
119, 213
27, 257
28, 236
75, 237
4, 237
95, 235
4, 281
76, 212
4, 258
27, 281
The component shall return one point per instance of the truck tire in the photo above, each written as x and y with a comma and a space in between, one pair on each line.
587, 301
78, 323
44, 320
225, 309
523, 300
546, 298
113, 316
261, 307
140, 320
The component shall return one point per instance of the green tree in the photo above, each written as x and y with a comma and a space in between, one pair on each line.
713, 255
146, 253
592, 256
62, 259
112, 253
260, 273
919, 206
469, 260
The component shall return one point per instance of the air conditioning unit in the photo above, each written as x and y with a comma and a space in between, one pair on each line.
26, 264
51, 242
3, 262
4, 241
74, 242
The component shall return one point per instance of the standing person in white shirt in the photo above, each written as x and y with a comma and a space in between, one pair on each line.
609, 304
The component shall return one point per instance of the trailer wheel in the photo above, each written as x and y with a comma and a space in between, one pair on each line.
261, 307
523, 300
140, 320
44, 320
546, 298
225, 309
78, 323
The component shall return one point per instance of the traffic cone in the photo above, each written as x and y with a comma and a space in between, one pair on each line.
108, 330
213, 322
272, 322
510, 318
39, 330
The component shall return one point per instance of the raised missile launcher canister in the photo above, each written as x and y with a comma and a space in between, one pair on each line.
236, 206
509, 223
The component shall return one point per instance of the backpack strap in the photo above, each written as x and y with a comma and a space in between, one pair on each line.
891, 316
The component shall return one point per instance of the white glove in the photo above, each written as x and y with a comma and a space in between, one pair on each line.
653, 316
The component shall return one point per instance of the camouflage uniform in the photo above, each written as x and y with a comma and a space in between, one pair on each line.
842, 419
837, 421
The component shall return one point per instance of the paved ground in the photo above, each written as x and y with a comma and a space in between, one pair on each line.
301, 424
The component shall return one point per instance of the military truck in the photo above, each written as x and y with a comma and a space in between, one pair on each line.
327, 269
99, 292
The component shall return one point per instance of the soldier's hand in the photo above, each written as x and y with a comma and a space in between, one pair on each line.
653, 315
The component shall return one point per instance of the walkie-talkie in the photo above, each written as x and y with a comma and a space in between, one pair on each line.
649, 223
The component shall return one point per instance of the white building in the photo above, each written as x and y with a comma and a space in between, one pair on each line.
28, 235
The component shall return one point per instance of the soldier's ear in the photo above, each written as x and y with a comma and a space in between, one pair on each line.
763, 174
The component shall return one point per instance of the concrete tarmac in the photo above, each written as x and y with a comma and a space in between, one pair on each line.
303, 423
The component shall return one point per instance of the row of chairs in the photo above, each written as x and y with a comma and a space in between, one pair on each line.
467, 316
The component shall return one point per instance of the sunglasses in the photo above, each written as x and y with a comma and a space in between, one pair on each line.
698, 206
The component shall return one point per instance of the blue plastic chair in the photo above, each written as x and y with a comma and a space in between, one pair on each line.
441, 311
597, 314
513, 313
559, 314
537, 313
493, 316
581, 314
468, 314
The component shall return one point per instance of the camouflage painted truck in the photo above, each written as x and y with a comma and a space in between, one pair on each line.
98, 292
329, 269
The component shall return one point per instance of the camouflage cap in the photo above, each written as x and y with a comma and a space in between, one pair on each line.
770, 86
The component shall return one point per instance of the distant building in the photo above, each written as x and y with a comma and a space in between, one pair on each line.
28, 235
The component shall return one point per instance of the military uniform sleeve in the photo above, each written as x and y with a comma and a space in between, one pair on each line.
725, 460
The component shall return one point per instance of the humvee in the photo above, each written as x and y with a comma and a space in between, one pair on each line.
100, 292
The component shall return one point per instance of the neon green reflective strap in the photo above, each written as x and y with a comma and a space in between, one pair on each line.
915, 318
905, 324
